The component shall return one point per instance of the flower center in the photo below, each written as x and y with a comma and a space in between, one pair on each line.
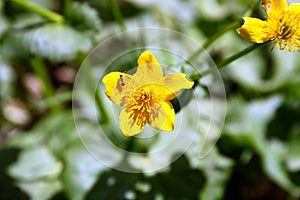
140, 103
285, 31
285, 25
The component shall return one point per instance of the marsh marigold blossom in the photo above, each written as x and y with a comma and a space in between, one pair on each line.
145, 95
282, 25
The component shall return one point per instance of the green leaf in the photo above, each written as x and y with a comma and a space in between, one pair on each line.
183, 180
203, 153
293, 159
81, 171
27, 139
41, 190
52, 41
51, 141
217, 170
56, 42
247, 124
12, 46
84, 17
35, 163
60, 131
27, 20
9, 190
7, 79
273, 162
180, 182
3, 24
54, 131
250, 71
36, 171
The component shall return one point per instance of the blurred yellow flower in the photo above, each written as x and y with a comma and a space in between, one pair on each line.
145, 95
282, 25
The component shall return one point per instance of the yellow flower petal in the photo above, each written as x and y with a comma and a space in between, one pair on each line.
110, 81
164, 93
254, 30
119, 86
271, 5
127, 126
146, 57
145, 95
162, 116
177, 82
278, 4
282, 25
148, 69
295, 9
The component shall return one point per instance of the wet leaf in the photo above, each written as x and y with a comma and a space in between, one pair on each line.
84, 17
36, 172
247, 125
3, 24
81, 171
41, 190
35, 163
52, 41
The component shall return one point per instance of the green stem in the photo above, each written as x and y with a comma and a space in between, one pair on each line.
221, 32
104, 116
40, 70
90, 80
41, 11
56, 100
226, 61
212, 39
117, 13
238, 55
66, 8
120, 20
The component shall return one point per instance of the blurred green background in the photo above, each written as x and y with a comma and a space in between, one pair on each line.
41, 156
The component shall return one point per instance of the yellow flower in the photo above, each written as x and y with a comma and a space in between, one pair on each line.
282, 25
145, 95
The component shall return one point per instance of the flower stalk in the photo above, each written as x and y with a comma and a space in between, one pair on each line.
221, 32
212, 39
225, 62
40, 70
52, 16
117, 13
